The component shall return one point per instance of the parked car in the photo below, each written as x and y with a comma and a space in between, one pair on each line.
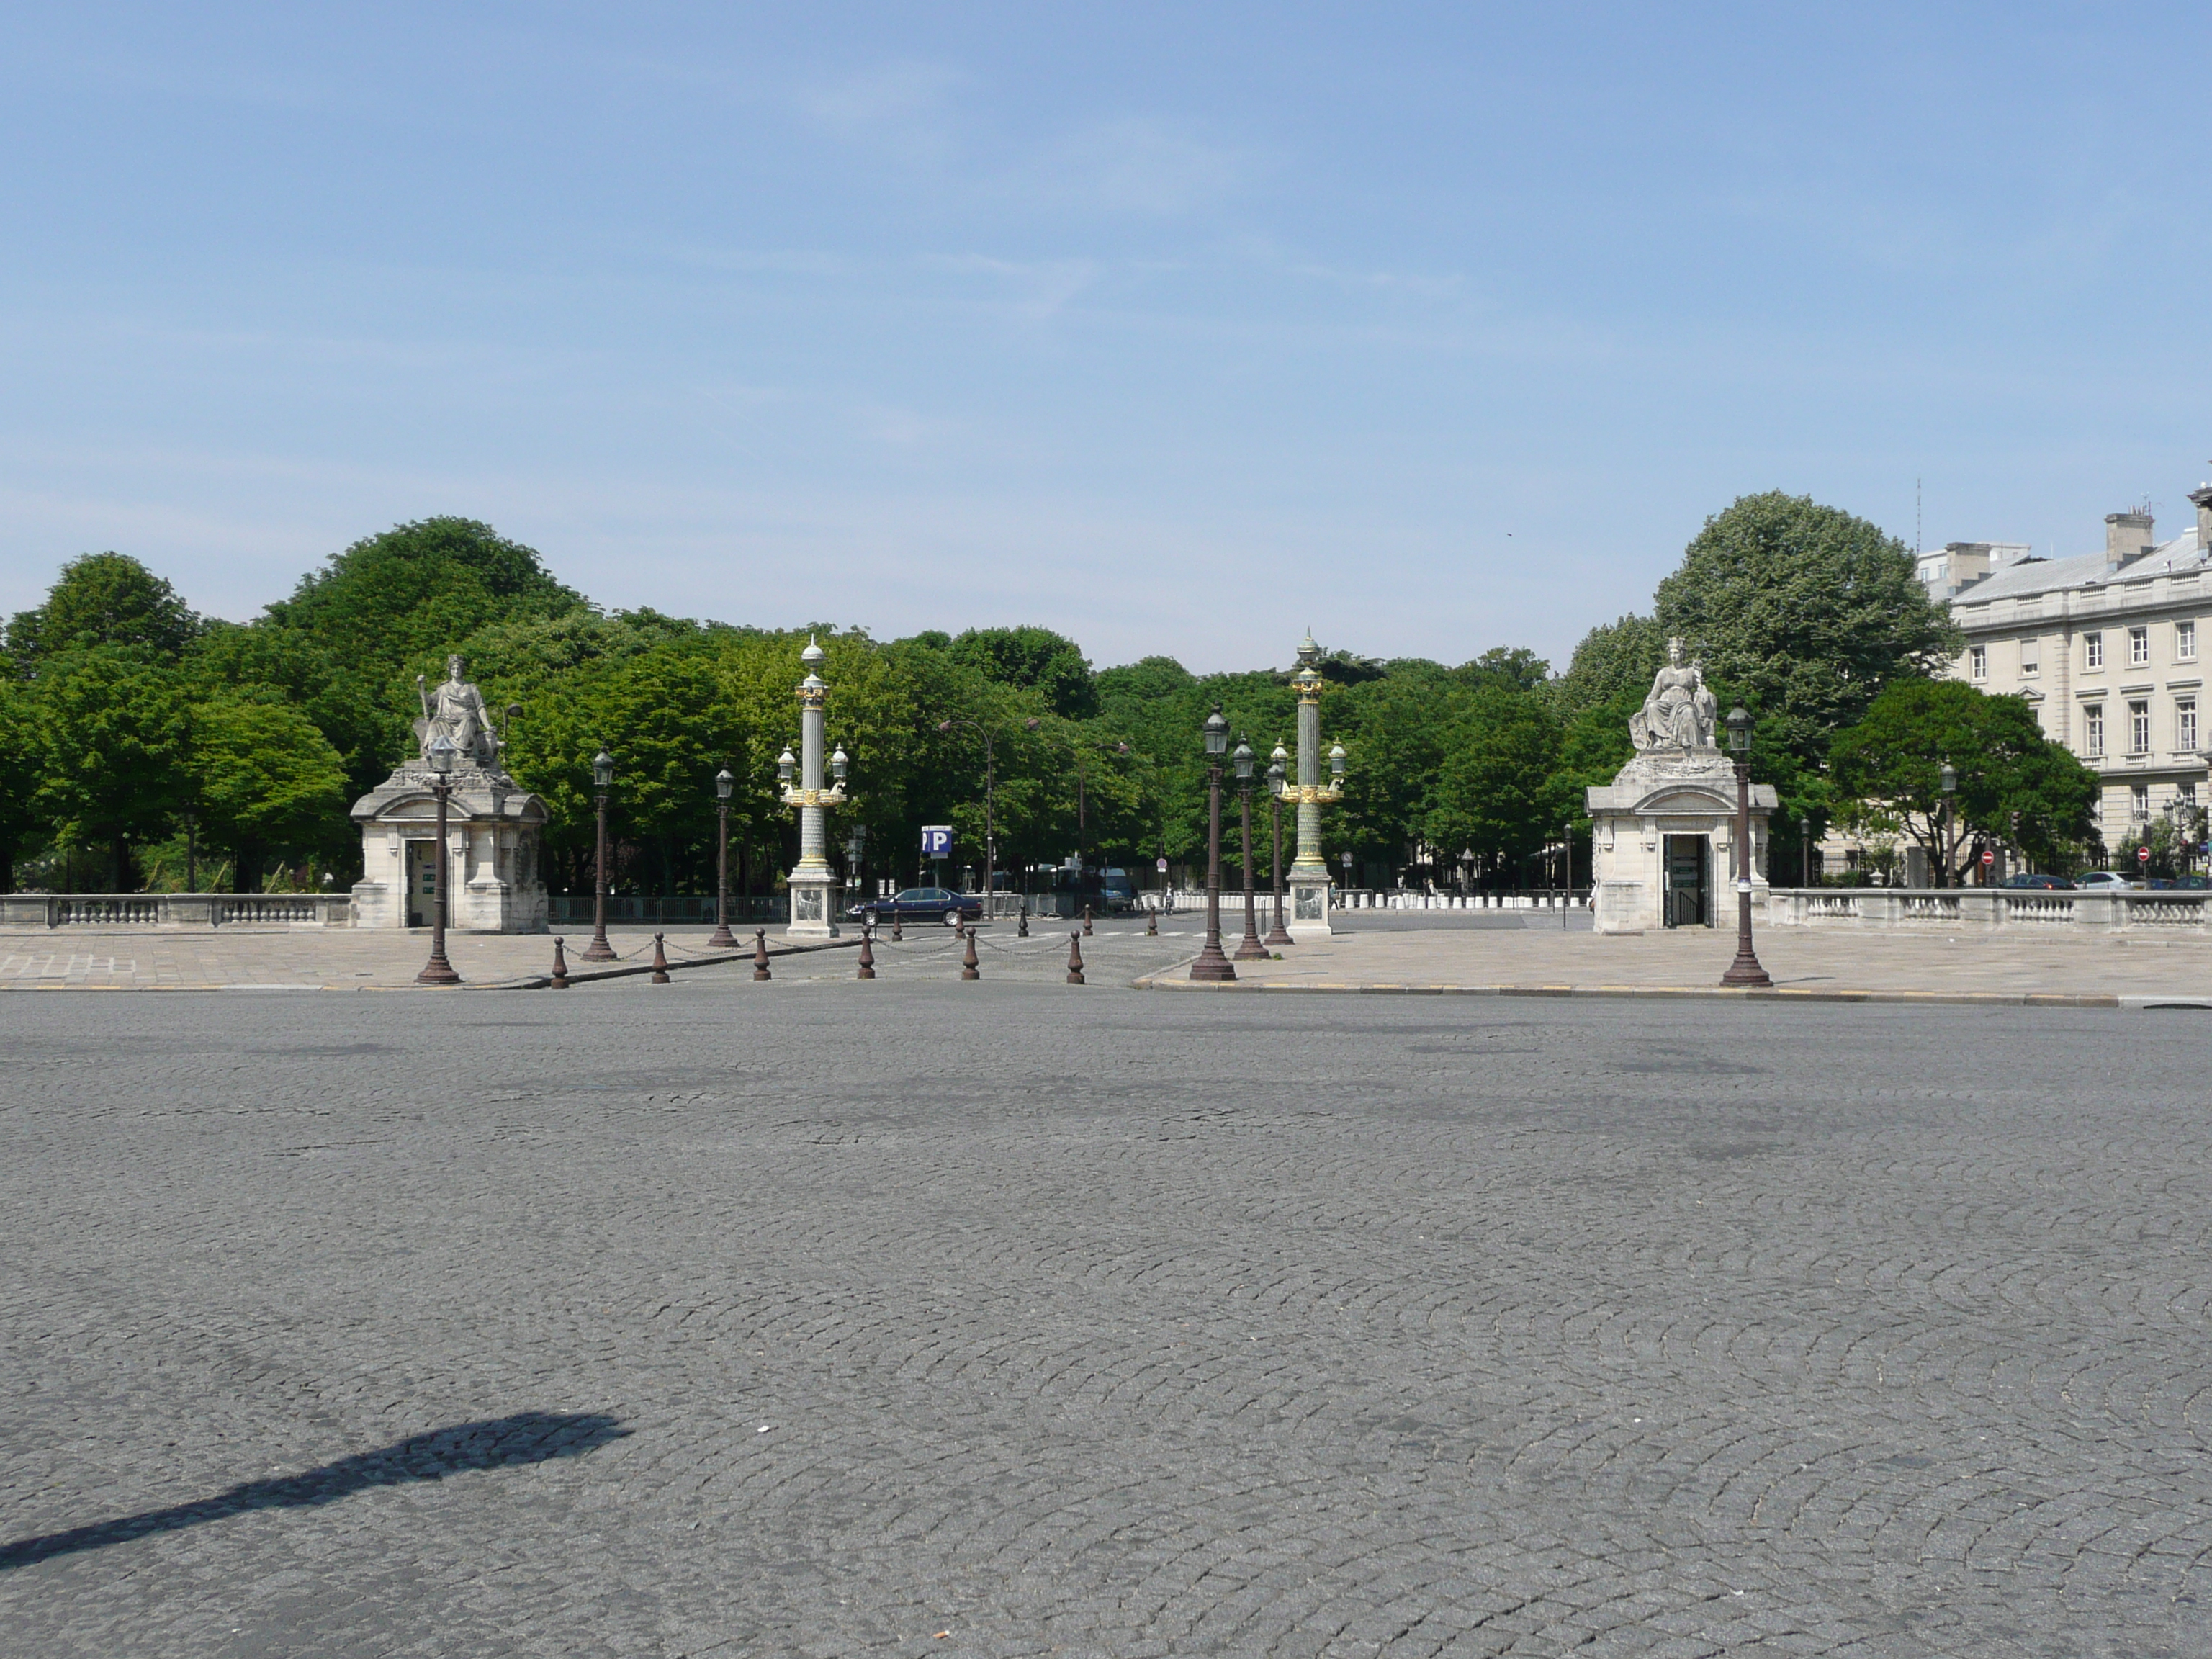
2103, 881
1117, 890
922, 904
2039, 881
2181, 883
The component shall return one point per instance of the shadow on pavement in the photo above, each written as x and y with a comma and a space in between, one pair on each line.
525, 1437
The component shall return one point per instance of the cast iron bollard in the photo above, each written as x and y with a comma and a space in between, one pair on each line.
968, 968
560, 967
1151, 924
1023, 931
660, 961
760, 954
1086, 921
897, 933
867, 956
1075, 959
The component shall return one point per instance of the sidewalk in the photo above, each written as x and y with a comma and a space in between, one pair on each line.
1804, 964
339, 958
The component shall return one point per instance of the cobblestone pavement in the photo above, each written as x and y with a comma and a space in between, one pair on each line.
922, 1318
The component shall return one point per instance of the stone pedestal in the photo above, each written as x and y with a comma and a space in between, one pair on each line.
493, 832
815, 895
1663, 841
1309, 892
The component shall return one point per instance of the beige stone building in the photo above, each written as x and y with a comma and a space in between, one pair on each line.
2108, 647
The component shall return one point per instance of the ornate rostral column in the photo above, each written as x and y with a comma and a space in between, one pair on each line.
813, 884
1310, 882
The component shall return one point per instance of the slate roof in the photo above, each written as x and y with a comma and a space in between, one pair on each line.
2030, 576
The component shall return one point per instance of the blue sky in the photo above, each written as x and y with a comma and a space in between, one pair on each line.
1178, 329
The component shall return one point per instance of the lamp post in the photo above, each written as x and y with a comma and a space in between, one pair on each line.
1248, 948
1745, 969
1308, 871
603, 779
1211, 965
813, 884
1948, 782
438, 970
721, 938
1278, 935
856, 849
990, 846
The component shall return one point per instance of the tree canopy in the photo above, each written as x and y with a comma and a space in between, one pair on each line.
1889, 767
1804, 612
104, 598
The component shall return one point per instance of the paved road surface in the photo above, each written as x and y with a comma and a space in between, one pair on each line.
920, 1318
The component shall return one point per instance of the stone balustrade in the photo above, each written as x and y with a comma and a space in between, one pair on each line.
110, 911
1987, 909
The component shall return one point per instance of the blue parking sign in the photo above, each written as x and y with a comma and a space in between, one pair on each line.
936, 840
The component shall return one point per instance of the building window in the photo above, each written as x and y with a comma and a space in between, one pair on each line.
2138, 646
2184, 641
2138, 728
2092, 648
1979, 657
2031, 657
2093, 729
2185, 728
2139, 801
2185, 793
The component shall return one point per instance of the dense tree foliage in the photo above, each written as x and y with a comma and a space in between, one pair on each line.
2013, 784
127, 720
1803, 612
104, 598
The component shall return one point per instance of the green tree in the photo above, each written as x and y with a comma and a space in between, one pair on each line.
261, 775
104, 598
419, 589
20, 769
1804, 611
112, 732
1889, 766
355, 707
1491, 794
1510, 668
1032, 658
1615, 659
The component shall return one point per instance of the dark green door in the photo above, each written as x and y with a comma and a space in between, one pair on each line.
1688, 898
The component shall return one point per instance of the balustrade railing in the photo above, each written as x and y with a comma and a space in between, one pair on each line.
1990, 908
147, 910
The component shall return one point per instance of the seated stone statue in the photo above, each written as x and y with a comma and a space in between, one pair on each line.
457, 711
1680, 713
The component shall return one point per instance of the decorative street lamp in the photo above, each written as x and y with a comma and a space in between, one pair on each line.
721, 938
1210, 964
1248, 948
856, 847
603, 779
1278, 935
1745, 969
1948, 782
813, 884
438, 970
1309, 873
990, 845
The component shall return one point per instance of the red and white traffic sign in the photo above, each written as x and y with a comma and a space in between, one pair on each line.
2142, 855
1989, 855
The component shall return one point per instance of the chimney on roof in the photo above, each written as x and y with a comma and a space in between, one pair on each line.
1969, 562
2127, 536
2201, 499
